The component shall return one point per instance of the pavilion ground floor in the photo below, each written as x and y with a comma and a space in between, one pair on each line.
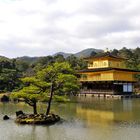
107, 87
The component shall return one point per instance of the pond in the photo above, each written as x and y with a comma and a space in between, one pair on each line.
89, 119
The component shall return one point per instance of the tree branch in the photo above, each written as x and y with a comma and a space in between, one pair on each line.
58, 86
29, 102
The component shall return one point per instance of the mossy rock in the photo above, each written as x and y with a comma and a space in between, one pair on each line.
5, 98
37, 119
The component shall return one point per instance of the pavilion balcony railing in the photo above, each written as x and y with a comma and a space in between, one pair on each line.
97, 91
91, 79
94, 79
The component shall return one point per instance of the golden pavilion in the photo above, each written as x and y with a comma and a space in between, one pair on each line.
107, 74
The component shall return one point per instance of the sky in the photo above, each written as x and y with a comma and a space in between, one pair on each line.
44, 27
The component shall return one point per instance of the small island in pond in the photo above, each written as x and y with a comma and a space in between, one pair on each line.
23, 118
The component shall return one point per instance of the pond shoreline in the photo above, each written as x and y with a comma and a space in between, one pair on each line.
110, 96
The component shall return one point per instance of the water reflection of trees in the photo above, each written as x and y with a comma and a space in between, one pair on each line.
107, 111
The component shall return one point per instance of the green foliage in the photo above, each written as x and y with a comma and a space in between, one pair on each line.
54, 80
132, 57
61, 98
8, 75
76, 63
62, 76
59, 58
115, 52
59, 74
43, 62
21, 66
30, 91
70, 84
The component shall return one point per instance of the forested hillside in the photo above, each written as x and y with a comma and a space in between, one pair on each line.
11, 70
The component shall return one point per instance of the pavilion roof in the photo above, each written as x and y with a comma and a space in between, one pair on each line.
106, 69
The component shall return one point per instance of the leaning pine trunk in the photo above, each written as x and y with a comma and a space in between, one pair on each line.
34, 108
50, 100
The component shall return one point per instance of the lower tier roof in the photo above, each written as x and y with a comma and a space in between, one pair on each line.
106, 69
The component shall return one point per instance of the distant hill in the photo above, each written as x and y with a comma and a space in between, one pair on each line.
3, 58
28, 59
64, 54
83, 53
87, 52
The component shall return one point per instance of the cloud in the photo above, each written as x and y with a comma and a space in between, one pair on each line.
43, 27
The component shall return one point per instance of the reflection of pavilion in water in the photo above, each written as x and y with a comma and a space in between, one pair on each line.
108, 111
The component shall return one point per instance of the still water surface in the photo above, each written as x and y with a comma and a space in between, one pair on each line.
90, 119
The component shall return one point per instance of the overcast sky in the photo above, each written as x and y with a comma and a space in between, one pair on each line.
44, 27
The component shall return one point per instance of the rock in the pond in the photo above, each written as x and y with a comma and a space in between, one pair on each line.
20, 112
4, 98
6, 117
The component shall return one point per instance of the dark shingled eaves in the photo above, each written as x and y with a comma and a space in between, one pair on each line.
106, 69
